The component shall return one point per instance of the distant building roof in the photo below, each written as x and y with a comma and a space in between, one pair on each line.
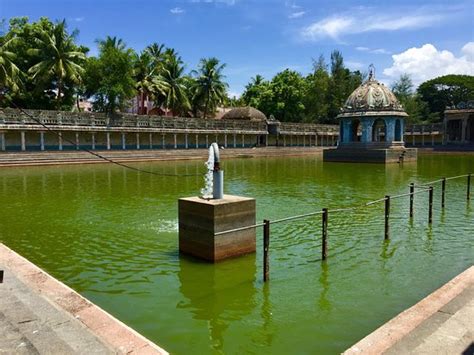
244, 113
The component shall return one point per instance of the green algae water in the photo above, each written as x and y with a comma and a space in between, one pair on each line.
111, 234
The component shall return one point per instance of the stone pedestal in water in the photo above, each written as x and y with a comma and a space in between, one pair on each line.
200, 219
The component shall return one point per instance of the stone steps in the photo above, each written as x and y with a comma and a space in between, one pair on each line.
81, 157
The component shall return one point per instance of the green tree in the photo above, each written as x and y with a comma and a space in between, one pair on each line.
316, 96
209, 88
60, 59
446, 91
403, 87
109, 78
146, 76
288, 88
342, 83
9, 72
258, 93
174, 85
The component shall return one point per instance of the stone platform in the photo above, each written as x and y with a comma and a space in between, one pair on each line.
361, 155
41, 315
200, 220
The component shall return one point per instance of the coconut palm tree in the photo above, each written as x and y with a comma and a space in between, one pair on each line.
148, 78
209, 89
156, 51
60, 58
9, 72
111, 42
175, 95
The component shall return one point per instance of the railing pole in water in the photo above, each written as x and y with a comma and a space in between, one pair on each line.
443, 190
468, 186
266, 245
324, 250
412, 196
430, 206
387, 217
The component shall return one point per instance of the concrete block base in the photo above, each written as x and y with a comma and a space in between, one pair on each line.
383, 156
200, 219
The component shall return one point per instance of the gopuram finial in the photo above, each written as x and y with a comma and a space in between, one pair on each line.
371, 72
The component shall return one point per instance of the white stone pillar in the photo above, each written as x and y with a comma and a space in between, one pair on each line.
23, 141
243, 140
60, 140
138, 140
207, 141
124, 141
217, 141
175, 141
42, 140
304, 141
93, 140
163, 141
2, 141
316, 139
309, 140
77, 140
225, 140
284, 140
197, 141
422, 135
108, 140
150, 137
186, 140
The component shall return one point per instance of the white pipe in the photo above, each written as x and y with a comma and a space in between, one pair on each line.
218, 175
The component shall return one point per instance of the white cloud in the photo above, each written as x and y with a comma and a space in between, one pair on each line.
362, 21
427, 62
354, 65
296, 14
177, 10
78, 19
375, 51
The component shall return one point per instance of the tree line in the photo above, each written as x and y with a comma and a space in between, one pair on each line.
42, 67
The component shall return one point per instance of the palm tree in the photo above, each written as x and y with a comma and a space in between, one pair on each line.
9, 72
156, 51
209, 88
175, 95
111, 42
148, 79
60, 58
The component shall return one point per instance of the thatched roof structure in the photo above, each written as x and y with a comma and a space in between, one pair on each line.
244, 113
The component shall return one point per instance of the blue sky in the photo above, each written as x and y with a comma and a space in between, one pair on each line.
423, 39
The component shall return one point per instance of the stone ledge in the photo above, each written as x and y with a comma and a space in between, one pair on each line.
118, 336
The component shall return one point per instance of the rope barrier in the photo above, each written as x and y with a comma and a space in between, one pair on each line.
108, 160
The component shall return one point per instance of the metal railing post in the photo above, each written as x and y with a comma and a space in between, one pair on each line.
324, 251
430, 206
266, 245
387, 217
443, 190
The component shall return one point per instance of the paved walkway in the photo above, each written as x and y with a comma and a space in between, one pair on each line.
29, 324
40, 315
449, 331
441, 323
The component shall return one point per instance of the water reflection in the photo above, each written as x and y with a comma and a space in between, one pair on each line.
324, 303
218, 293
